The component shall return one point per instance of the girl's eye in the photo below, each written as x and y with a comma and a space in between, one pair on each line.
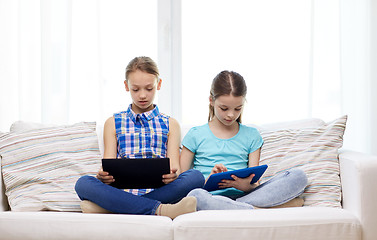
135, 90
238, 109
149, 89
224, 109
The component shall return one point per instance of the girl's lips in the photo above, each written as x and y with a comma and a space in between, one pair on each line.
228, 121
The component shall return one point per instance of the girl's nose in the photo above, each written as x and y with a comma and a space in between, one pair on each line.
143, 94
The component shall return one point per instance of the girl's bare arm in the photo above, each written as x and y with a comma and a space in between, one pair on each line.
110, 148
174, 140
186, 159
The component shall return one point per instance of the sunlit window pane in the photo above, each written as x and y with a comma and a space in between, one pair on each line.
268, 42
103, 42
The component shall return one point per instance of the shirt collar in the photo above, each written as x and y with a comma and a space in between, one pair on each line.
147, 115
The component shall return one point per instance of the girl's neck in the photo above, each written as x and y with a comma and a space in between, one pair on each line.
138, 110
222, 131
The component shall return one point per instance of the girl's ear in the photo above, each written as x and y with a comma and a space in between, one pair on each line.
211, 101
159, 84
126, 85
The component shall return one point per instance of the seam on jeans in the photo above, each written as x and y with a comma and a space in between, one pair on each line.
155, 208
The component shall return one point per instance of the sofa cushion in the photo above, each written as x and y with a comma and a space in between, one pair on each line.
41, 165
68, 225
313, 148
304, 223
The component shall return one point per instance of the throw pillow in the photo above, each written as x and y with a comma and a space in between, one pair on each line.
314, 149
41, 166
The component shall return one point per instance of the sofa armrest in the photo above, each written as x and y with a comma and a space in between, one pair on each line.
358, 173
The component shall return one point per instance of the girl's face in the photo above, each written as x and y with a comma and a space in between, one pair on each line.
227, 108
142, 87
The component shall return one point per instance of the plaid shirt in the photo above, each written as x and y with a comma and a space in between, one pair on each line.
141, 136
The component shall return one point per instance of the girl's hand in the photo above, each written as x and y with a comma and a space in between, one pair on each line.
218, 168
168, 178
105, 177
242, 184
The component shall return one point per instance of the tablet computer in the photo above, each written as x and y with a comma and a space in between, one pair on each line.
213, 181
137, 173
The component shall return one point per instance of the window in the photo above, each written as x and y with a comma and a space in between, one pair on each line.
270, 43
103, 42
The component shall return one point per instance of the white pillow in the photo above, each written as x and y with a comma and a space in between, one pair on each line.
297, 124
314, 149
41, 166
22, 126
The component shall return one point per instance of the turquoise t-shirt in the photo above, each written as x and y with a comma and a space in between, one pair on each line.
233, 153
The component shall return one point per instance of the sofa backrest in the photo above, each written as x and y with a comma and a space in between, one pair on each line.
99, 130
304, 123
310, 122
184, 129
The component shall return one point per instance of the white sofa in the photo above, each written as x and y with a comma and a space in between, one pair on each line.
356, 219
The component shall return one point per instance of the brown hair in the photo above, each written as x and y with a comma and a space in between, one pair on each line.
227, 83
144, 64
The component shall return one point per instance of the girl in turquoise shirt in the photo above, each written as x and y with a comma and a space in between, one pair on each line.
224, 144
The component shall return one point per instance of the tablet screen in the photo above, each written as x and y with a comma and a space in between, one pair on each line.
213, 181
137, 173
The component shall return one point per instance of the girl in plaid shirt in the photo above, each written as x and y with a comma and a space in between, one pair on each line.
141, 132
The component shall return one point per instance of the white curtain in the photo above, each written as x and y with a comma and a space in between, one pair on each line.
63, 61
50, 68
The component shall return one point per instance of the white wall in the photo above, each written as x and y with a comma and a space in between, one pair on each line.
373, 76
359, 73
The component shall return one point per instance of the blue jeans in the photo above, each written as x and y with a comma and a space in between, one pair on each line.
118, 201
276, 191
